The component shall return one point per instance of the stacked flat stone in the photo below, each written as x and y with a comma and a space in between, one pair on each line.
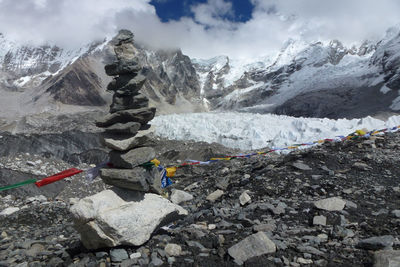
129, 113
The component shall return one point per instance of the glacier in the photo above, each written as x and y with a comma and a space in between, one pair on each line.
248, 131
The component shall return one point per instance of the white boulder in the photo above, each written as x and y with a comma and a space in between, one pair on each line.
121, 217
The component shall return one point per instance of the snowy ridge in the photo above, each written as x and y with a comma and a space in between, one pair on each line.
254, 131
37, 63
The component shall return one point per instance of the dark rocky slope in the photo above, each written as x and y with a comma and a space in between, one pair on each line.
283, 190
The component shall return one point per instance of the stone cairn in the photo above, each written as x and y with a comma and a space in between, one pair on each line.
129, 212
129, 114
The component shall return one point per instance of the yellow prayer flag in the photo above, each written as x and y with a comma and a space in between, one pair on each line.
220, 159
361, 132
156, 162
171, 171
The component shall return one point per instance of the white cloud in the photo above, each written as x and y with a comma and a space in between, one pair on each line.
71, 23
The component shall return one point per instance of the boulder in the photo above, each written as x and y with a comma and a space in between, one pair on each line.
384, 258
122, 217
133, 158
255, 245
127, 144
142, 115
138, 179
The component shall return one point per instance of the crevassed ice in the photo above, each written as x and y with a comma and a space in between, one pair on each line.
248, 131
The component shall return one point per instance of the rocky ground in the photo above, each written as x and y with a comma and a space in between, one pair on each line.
235, 209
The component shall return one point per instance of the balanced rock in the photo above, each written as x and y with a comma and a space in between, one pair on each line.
123, 128
131, 102
123, 66
131, 82
121, 217
127, 144
132, 158
138, 179
142, 115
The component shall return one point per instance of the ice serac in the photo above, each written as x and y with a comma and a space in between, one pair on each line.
122, 217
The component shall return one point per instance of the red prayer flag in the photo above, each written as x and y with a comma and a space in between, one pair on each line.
58, 176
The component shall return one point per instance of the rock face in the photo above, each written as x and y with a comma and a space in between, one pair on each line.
129, 113
121, 217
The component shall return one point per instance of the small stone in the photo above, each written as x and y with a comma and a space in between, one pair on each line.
135, 255
361, 166
310, 249
215, 195
351, 204
173, 250
155, 261
396, 213
179, 196
118, 255
330, 204
212, 226
255, 245
323, 237
304, 261
347, 191
9, 211
244, 198
301, 166
319, 220
264, 227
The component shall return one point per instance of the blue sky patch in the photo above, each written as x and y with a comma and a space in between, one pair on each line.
168, 10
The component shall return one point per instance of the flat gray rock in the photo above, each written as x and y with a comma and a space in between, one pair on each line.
330, 204
130, 143
255, 245
128, 102
130, 86
122, 217
132, 179
179, 196
123, 128
133, 158
123, 66
301, 166
142, 115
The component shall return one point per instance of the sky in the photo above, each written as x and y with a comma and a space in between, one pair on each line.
201, 28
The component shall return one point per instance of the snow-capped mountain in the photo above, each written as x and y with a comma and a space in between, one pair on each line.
320, 79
